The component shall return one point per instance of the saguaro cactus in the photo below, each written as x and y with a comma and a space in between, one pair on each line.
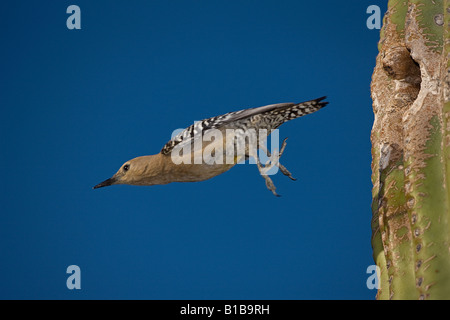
411, 151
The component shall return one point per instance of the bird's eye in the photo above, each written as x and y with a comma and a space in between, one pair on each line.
126, 167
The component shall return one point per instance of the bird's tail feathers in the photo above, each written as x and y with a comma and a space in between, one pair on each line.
297, 110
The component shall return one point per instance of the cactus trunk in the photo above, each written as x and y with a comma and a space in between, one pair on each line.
411, 151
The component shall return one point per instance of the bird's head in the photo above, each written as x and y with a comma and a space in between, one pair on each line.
137, 171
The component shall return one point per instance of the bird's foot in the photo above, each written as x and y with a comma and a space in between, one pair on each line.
277, 161
263, 169
270, 185
274, 160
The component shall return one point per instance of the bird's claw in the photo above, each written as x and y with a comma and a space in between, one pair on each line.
273, 161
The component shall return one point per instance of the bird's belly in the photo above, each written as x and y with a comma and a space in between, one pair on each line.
200, 172
203, 163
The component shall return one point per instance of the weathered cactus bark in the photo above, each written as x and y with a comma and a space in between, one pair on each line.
411, 151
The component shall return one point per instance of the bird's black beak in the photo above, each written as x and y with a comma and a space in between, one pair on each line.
105, 183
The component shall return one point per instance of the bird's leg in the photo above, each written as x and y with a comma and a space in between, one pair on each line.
283, 168
277, 161
263, 171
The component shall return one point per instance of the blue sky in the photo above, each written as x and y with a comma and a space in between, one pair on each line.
76, 104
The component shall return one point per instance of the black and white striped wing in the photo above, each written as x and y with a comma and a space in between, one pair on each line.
197, 128
276, 114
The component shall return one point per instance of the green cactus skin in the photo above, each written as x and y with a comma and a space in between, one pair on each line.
428, 13
411, 151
